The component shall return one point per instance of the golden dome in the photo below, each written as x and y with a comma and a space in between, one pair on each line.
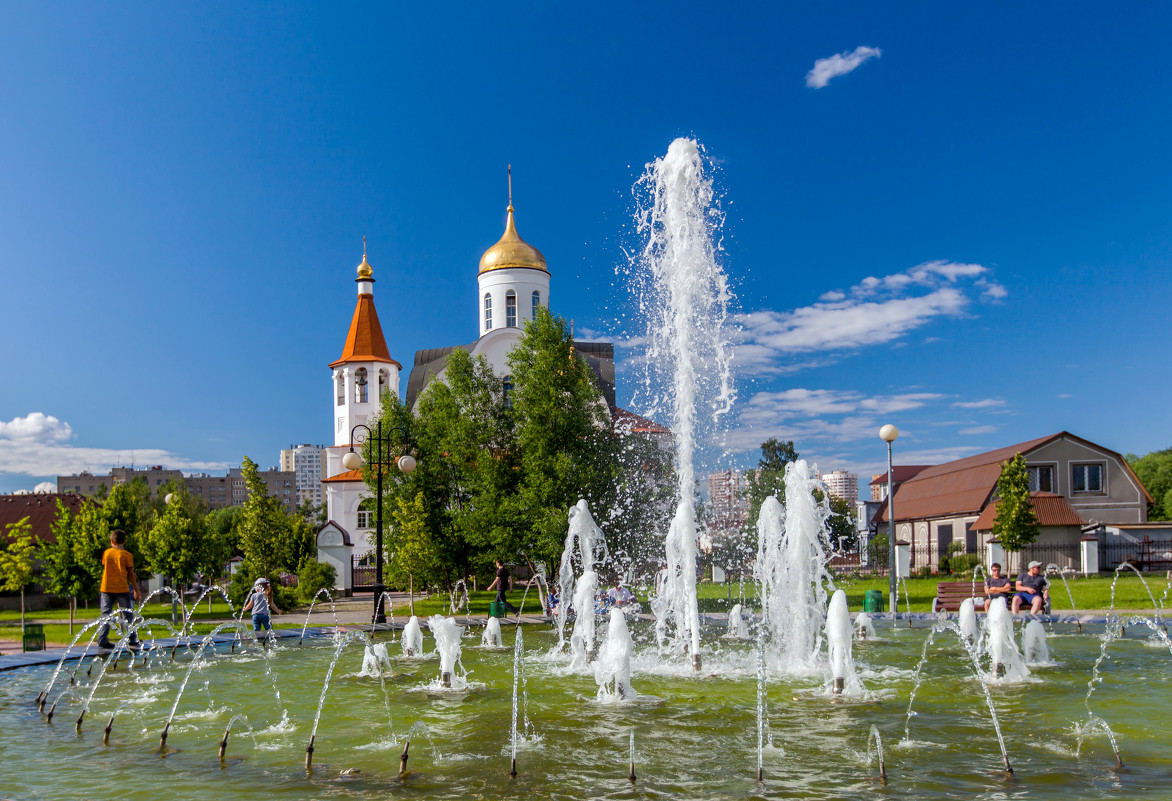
512, 251
365, 271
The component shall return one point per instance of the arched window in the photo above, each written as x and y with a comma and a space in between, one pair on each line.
360, 385
508, 391
384, 382
341, 382
510, 309
487, 312
536, 303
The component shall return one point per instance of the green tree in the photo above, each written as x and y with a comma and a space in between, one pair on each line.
842, 523
267, 535
567, 448
411, 551
70, 559
1015, 525
223, 541
17, 560
1155, 471
175, 544
129, 507
768, 479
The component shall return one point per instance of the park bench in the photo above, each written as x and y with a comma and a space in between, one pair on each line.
950, 595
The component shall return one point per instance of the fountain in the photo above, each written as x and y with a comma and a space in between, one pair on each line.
491, 638
781, 715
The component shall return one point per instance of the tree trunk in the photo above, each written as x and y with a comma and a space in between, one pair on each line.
411, 592
22, 611
72, 610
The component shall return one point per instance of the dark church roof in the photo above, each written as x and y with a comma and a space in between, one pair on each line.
430, 362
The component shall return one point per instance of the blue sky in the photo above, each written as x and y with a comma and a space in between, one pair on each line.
962, 228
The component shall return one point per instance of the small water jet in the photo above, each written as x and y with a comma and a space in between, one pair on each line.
969, 629
1005, 660
447, 635
838, 642
737, 629
864, 627
491, 638
412, 638
1033, 643
612, 671
312, 601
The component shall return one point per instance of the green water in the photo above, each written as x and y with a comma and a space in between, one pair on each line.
695, 737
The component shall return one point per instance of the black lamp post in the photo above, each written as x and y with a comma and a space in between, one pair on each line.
406, 464
888, 434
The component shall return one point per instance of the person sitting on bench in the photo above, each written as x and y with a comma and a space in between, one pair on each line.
996, 585
1032, 588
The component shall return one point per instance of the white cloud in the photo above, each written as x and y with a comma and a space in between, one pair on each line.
878, 310
987, 403
977, 430
35, 427
45, 486
839, 64
35, 445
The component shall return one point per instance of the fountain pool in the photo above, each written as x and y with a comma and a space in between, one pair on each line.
695, 735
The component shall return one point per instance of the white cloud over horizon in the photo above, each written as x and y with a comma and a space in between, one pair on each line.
831, 67
876, 311
36, 445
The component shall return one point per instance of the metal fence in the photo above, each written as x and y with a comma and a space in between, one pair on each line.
1145, 554
361, 575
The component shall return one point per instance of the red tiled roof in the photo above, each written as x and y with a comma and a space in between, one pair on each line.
349, 475
899, 473
954, 488
365, 342
629, 422
1051, 510
41, 510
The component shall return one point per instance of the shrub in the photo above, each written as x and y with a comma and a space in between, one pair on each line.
313, 576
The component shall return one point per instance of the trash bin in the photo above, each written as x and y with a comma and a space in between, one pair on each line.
496, 609
873, 601
34, 637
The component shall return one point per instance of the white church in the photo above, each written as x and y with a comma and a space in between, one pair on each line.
513, 282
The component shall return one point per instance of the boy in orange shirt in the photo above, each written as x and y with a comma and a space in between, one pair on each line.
119, 586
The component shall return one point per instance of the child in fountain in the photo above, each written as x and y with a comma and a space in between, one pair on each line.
996, 585
119, 586
260, 601
1032, 588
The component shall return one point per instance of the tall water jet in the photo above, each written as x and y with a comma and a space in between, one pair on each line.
792, 547
969, 630
591, 551
447, 642
684, 298
999, 643
412, 639
612, 671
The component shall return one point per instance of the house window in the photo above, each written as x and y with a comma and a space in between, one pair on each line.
487, 312
360, 385
1086, 478
1041, 478
365, 519
508, 391
536, 303
510, 309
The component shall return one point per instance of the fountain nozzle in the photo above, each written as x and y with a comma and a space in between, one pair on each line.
224, 742
513, 768
839, 683
106, 731
882, 772
631, 773
163, 737
446, 679
309, 753
696, 662
403, 759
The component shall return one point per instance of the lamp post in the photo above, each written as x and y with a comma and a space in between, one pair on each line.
888, 434
406, 464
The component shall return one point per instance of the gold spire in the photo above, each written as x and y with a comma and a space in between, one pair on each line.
365, 271
511, 250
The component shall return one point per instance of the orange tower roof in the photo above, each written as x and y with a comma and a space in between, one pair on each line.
365, 342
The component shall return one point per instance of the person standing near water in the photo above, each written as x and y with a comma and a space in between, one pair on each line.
501, 583
260, 602
119, 586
